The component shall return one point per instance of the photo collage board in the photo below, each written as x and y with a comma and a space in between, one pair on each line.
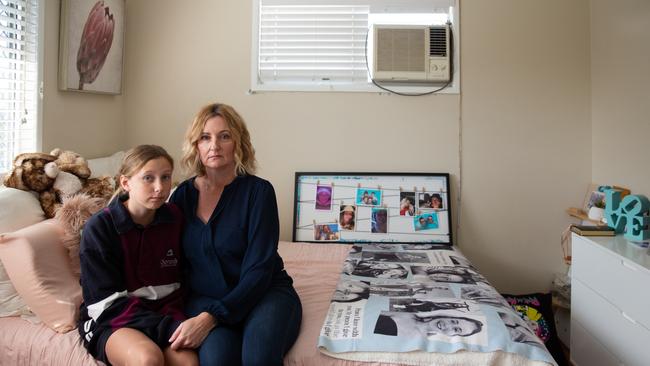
372, 207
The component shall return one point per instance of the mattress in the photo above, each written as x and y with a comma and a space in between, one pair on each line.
315, 269
25, 344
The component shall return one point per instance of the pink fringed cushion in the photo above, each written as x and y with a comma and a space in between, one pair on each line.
39, 267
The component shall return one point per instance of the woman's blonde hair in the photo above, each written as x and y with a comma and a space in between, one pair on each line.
135, 159
244, 152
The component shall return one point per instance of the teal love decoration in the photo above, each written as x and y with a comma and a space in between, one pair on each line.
629, 216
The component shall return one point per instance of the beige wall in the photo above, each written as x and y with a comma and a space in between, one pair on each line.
90, 124
206, 58
525, 134
620, 58
525, 112
525, 108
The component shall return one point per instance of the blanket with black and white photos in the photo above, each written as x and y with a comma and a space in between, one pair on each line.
421, 297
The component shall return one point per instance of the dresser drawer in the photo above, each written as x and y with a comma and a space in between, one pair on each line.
622, 282
587, 351
629, 342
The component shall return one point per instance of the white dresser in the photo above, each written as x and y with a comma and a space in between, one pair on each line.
610, 302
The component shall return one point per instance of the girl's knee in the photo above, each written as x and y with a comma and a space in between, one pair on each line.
147, 356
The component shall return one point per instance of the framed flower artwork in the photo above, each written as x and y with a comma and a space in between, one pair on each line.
91, 45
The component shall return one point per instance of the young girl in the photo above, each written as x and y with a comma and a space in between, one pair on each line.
130, 268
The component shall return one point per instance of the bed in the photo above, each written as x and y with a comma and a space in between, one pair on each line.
315, 269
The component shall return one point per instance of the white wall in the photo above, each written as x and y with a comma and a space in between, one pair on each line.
525, 134
175, 73
620, 58
90, 124
525, 112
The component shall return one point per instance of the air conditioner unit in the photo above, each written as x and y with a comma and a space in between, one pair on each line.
411, 53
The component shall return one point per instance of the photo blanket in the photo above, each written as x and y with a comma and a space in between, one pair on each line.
421, 297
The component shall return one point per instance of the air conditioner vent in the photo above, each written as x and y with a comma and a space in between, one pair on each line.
438, 41
411, 53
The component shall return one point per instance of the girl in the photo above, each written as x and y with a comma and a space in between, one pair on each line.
130, 268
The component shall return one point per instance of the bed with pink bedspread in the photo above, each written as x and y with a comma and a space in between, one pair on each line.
315, 269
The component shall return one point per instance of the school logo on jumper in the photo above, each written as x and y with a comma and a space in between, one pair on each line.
169, 262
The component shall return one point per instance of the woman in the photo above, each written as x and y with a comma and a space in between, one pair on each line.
379, 270
416, 325
351, 291
346, 217
243, 306
130, 268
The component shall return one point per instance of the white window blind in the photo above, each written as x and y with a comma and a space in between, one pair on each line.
312, 43
18, 78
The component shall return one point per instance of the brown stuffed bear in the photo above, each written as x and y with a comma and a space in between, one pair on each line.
71, 162
40, 173
29, 174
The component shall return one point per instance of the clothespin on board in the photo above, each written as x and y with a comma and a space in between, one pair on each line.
314, 223
400, 189
415, 189
358, 185
318, 182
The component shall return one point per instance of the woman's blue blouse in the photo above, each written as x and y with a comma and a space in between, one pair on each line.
232, 259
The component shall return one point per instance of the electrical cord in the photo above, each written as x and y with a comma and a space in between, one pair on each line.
451, 69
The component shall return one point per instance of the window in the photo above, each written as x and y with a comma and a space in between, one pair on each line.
319, 45
19, 75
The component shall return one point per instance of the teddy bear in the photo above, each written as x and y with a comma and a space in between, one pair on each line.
71, 162
29, 174
40, 173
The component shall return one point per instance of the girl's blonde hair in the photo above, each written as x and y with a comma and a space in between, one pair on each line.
244, 152
135, 159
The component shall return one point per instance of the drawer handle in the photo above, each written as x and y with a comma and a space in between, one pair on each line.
629, 318
629, 266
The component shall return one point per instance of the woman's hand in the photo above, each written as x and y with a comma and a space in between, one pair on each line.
192, 332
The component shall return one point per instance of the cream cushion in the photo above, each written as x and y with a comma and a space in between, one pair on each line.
17, 209
107, 166
39, 267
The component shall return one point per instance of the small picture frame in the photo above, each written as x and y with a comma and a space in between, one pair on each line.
323, 198
426, 220
407, 203
327, 232
368, 197
347, 217
379, 220
430, 200
91, 46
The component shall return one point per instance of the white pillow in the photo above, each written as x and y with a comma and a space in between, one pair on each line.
18, 209
105, 166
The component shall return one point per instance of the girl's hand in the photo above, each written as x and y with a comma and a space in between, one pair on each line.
192, 332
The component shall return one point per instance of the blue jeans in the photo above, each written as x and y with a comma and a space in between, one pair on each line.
262, 338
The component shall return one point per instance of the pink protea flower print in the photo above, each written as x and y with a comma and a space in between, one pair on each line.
96, 41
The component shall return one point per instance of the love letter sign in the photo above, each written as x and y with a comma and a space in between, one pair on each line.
629, 216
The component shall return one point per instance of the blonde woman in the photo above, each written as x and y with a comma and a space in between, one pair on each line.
243, 306
131, 268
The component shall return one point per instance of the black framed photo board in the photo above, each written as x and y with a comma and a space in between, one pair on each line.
410, 208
